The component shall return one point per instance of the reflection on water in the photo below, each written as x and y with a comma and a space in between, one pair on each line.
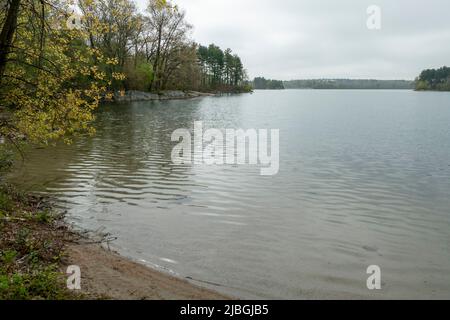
364, 179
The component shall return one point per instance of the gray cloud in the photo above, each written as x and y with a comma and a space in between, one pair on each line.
294, 39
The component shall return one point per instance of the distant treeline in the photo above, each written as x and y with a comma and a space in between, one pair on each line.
348, 84
263, 83
434, 79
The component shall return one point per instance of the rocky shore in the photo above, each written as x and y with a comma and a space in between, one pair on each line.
133, 95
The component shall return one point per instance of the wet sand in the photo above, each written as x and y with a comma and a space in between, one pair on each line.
107, 275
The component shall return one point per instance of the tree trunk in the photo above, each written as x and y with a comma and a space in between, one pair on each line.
154, 83
7, 34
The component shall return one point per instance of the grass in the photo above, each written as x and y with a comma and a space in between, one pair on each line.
32, 241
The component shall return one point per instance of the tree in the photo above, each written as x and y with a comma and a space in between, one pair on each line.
221, 70
53, 76
183, 72
202, 53
237, 70
216, 63
8, 30
50, 83
113, 27
166, 36
229, 61
434, 79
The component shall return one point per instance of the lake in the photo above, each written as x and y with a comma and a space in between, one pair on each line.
364, 179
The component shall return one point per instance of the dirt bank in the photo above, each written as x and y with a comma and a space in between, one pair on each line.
108, 275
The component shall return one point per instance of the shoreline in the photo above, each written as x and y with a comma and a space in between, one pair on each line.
134, 95
37, 245
107, 274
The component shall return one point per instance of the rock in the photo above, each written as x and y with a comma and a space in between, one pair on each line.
134, 95
173, 94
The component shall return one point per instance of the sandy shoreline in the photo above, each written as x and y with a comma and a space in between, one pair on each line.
37, 245
108, 275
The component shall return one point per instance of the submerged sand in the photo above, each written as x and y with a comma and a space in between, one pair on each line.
106, 274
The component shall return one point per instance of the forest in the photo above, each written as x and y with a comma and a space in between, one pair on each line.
267, 84
348, 84
59, 61
434, 79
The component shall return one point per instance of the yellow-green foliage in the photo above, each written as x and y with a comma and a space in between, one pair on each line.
421, 85
53, 79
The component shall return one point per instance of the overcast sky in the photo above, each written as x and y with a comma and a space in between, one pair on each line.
300, 39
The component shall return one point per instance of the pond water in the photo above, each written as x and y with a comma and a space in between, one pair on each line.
364, 179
